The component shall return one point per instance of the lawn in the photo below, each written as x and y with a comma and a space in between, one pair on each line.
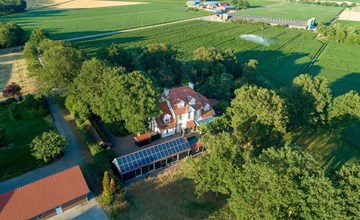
295, 11
286, 56
339, 64
330, 151
15, 157
262, 3
168, 196
63, 24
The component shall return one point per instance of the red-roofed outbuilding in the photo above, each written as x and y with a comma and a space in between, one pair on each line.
46, 197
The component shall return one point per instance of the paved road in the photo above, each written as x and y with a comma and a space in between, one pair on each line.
72, 156
89, 210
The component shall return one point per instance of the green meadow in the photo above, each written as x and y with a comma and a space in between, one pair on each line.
62, 24
295, 11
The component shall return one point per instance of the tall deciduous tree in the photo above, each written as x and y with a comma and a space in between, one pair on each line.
38, 35
315, 93
61, 64
117, 56
162, 63
11, 35
254, 110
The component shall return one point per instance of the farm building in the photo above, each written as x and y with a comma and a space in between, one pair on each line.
298, 24
182, 109
155, 157
46, 197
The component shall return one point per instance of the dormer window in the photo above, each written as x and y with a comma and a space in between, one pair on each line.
181, 104
167, 118
192, 101
207, 107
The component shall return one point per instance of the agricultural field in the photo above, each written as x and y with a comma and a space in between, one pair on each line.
15, 157
354, 24
295, 11
169, 195
338, 63
13, 69
285, 55
262, 3
62, 24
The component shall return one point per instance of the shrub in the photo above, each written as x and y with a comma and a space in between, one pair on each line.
15, 112
48, 146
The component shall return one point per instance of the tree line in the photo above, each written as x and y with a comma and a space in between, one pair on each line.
264, 177
12, 6
122, 85
337, 33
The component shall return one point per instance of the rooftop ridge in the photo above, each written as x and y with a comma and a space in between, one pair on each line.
47, 177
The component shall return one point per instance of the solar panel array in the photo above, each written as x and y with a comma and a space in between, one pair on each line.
147, 156
205, 121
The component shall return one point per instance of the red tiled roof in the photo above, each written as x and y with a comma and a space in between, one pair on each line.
43, 195
143, 137
162, 125
184, 93
191, 124
209, 113
196, 145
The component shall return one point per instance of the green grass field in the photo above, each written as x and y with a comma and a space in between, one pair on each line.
295, 11
262, 3
339, 64
15, 157
288, 53
63, 24
170, 195
354, 24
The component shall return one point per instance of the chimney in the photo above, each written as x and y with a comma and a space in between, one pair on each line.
191, 85
166, 92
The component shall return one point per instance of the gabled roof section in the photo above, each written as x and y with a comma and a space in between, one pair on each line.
37, 197
184, 93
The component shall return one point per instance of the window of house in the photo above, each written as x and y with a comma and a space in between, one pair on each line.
167, 131
180, 117
207, 106
181, 104
192, 101
189, 115
40, 216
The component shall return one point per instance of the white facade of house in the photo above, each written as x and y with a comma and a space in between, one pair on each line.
181, 106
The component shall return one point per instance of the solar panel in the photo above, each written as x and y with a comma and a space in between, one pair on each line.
147, 156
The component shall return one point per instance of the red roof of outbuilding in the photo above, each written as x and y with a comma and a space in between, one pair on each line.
143, 137
40, 196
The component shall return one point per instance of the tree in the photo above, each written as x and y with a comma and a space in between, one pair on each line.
345, 110
2, 134
241, 4
106, 184
212, 171
38, 35
162, 63
117, 56
48, 146
249, 70
12, 90
255, 108
12, 6
11, 35
314, 94
61, 64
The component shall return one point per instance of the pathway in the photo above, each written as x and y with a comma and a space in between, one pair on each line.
72, 156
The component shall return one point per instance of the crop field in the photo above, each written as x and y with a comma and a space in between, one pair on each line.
13, 69
286, 56
63, 24
295, 11
338, 63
